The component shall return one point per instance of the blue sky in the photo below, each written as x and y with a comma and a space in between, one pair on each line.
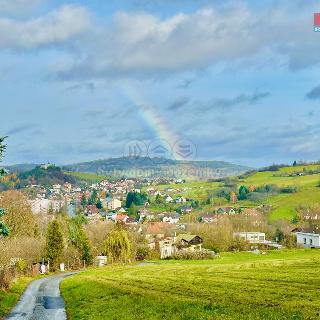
239, 79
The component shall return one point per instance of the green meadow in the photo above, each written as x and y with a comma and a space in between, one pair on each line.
284, 206
277, 285
9, 298
88, 177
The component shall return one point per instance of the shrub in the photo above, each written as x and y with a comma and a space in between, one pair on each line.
21, 265
256, 196
238, 244
142, 253
153, 254
268, 188
7, 276
288, 190
118, 247
193, 255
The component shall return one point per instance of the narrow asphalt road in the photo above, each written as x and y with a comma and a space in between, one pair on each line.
42, 300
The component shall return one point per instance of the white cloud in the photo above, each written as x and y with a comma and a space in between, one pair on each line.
56, 27
144, 44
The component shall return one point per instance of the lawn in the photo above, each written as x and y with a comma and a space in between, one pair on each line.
89, 177
8, 299
278, 285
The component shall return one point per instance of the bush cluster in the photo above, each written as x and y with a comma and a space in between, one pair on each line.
192, 255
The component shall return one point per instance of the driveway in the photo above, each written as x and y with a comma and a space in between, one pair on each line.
41, 300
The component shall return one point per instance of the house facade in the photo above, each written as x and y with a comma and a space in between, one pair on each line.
308, 239
171, 218
227, 210
113, 204
251, 237
189, 242
43, 206
166, 248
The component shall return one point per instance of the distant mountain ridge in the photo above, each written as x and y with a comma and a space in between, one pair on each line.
21, 167
144, 167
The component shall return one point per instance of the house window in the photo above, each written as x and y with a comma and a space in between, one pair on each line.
310, 241
304, 240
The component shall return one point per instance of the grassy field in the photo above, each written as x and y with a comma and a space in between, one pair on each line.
88, 177
278, 285
283, 205
8, 299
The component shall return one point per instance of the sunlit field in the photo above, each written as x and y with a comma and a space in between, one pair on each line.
278, 285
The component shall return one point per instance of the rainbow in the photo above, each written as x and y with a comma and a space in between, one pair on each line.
151, 117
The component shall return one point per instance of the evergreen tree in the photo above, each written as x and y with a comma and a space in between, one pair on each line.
4, 230
80, 240
243, 192
54, 243
99, 204
93, 197
130, 199
136, 198
83, 201
133, 212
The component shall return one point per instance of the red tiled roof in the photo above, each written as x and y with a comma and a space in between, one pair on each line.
156, 227
121, 217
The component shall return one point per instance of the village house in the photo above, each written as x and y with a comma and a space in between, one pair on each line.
113, 204
209, 218
188, 242
308, 238
156, 231
166, 247
181, 200
131, 221
146, 215
46, 166
120, 217
257, 238
39, 206
67, 187
56, 188
227, 210
91, 211
185, 209
43, 206
171, 218
168, 199
251, 237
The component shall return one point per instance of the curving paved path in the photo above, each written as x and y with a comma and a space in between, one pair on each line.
42, 300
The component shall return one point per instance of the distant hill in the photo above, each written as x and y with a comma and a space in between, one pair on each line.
158, 167
36, 176
22, 167
46, 177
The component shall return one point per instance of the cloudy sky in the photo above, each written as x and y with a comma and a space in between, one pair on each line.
79, 80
